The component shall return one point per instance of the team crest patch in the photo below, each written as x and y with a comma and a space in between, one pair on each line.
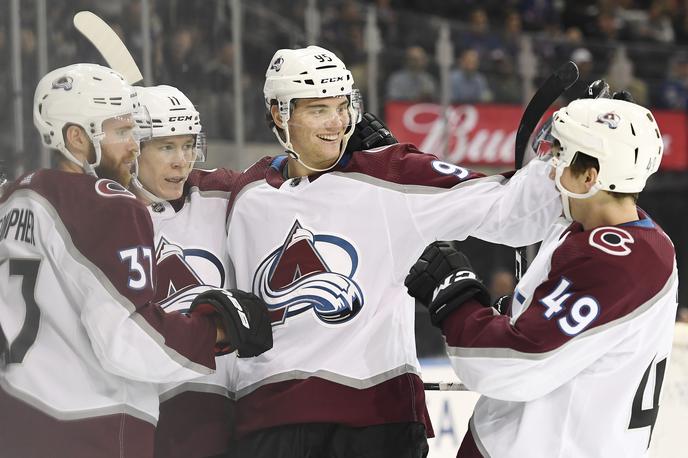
310, 272
612, 240
277, 64
183, 273
109, 188
611, 119
63, 82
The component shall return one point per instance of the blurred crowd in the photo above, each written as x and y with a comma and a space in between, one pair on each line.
635, 44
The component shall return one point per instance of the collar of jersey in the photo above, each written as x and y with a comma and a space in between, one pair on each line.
279, 165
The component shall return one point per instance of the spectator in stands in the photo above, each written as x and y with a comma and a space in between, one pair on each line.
537, 15
219, 102
674, 91
657, 27
621, 77
584, 59
504, 79
479, 36
468, 85
182, 61
610, 29
387, 17
511, 34
414, 82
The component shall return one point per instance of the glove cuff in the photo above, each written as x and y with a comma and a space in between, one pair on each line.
205, 304
441, 310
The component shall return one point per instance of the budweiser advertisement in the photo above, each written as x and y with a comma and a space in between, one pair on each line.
483, 135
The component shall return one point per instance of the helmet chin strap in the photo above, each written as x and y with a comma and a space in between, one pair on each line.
88, 168
566, 194
139, 188
286, 143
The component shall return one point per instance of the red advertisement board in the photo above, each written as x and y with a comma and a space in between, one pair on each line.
483, 135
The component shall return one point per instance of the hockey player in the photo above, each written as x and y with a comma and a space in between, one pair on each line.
331, 238
576, 368
188, 209
82, 344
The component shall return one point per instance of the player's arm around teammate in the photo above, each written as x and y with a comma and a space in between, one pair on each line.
84, 344
188, 208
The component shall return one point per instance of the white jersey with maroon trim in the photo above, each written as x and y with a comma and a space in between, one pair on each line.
191, 252
329, 255
82, 340
577, 370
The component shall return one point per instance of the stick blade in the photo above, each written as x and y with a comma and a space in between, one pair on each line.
108, 43
567, 74
553, 87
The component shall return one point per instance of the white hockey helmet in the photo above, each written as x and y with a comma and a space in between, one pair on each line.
172, 113
622, 136
311, 72
86, 95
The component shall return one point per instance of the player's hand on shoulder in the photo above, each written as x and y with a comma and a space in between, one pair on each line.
369, 133
443, 279
243, 317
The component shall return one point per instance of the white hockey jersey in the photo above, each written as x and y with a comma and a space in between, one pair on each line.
191, 252
577, 370
82, 347
329, 255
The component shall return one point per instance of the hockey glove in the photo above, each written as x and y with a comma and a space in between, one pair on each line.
443, 279
600, 90
503, 304
369, 133
244, 317
623, 95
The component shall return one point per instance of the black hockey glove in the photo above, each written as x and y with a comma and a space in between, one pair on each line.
600, 90
623, 95
244, 317
503, 304
369, 133
443, 279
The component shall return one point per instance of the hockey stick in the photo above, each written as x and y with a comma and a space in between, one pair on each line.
445, 386
110, 46
553, 87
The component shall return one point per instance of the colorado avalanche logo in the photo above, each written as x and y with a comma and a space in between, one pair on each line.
612, 240
63, 82
277, 64
109, 188
310, 272
184, 273
611, 119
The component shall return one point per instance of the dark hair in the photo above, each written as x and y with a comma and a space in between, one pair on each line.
582, 162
